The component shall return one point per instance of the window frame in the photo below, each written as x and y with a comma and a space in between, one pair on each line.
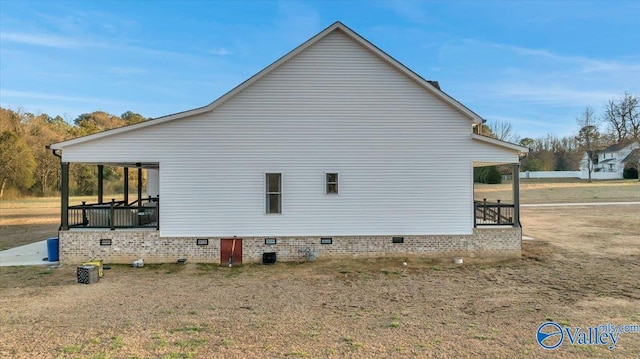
268, 193
327, 183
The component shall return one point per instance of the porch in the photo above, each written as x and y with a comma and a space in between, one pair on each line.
141, 211
494, 213
498, 212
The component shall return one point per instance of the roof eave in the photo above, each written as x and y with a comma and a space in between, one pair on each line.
505, 144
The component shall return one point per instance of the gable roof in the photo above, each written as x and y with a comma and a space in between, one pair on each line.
618, 146
431, 86
633, 156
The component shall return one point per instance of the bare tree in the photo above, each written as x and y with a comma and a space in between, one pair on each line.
632, 110
503, 131
588, 135
617, 121
623, 117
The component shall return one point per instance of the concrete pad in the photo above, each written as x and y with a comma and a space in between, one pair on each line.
527, 238
27, 255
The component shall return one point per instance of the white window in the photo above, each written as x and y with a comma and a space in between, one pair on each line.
274, 192
331, 183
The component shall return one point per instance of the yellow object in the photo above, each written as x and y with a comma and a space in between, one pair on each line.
97, 263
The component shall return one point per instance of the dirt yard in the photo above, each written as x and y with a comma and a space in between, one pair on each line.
581, 270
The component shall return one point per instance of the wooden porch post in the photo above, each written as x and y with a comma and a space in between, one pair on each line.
64, 196
100, 183
139, 185
516, 195
139, 190
126, 185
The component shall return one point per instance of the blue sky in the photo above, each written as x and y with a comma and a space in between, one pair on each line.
534, 64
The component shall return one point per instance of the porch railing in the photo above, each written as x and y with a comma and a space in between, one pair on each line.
141, 213
493, 214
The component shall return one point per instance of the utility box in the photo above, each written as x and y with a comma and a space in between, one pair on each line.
87, 274
97, 263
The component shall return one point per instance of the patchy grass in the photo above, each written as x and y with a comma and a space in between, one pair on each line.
561, 191
327, 308
581, 270
28, 220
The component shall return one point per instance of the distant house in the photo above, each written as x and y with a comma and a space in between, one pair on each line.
632, 159
334, 150
611, 161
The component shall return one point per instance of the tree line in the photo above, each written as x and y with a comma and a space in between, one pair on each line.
618, 122
28, 168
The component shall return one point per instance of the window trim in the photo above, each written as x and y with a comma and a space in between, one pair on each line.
327, 183
267, 193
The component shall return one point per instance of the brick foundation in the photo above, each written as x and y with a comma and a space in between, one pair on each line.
78, 246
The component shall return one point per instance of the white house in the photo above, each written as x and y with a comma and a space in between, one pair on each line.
336, 149
611, 161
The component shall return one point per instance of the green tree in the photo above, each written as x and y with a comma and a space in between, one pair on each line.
90, 123
16, 162
85, 179
131, 117
531, 164
488, 174
493, 175
41, 131
527, 142
35, 132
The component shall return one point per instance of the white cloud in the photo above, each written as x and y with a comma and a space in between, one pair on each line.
47, 40
127, 70
585, 64
220, 51
47, 96
557, 95
298, 20
538, 90
520, 121
409, 10
64, 42
512, 73
40, 96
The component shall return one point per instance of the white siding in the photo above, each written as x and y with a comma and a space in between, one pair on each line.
404, 157
153, 182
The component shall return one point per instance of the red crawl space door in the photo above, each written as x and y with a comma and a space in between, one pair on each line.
229, 246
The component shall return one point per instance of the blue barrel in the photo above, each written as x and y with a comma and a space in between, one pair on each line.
53, 249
